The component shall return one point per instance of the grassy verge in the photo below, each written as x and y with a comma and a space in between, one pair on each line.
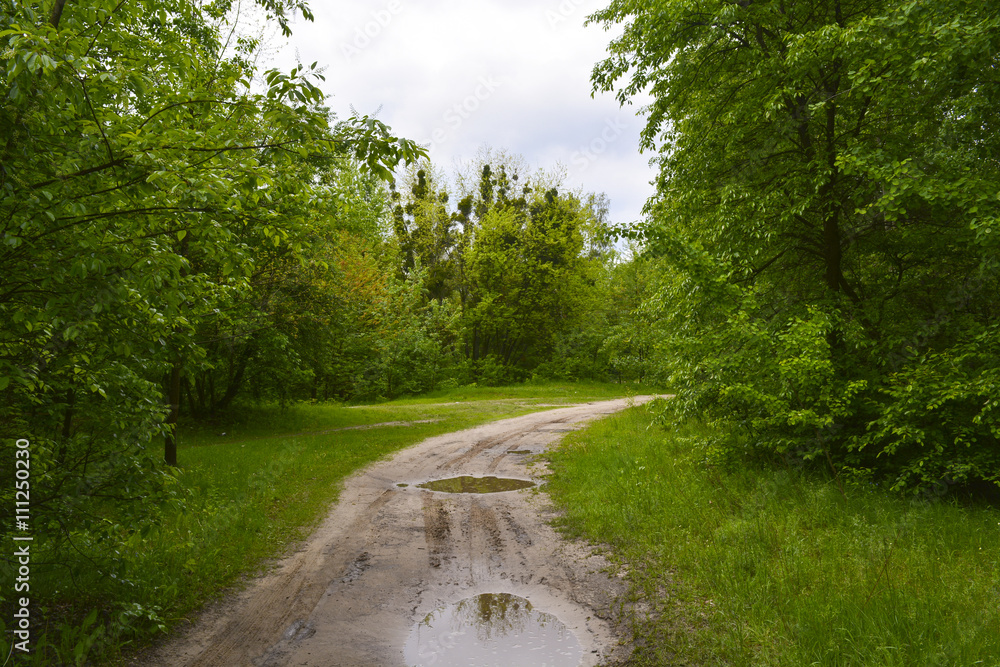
764, 567
249, 485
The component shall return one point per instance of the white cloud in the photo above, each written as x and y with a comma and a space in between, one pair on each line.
514, 75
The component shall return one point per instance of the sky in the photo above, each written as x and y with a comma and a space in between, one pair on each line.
459, 77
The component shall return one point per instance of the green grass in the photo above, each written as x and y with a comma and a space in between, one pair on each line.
546, 391
777, 567
250, 422
248, 486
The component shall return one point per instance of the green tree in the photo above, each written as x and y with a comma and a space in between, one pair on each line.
147, 186
282, 336
825, 198
426, 233
632, 333
526, 271
140, 175
518, 260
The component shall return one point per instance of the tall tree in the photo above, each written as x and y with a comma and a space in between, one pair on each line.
825, 193
144, 182
426, 232
516, 258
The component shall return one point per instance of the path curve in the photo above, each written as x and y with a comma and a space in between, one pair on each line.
388, 555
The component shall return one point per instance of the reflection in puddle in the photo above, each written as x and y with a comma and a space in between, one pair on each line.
518, 451
491, 629
467, 484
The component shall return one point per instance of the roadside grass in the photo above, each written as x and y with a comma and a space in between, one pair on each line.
550, 392
776, 567
248, 486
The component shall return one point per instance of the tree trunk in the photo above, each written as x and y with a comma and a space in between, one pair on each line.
56, 15
235, 382
68, 416
186, 390
174, 391
832, 252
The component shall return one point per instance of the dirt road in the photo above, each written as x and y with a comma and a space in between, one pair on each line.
388, 555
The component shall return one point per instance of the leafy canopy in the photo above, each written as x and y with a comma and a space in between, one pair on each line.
827, 201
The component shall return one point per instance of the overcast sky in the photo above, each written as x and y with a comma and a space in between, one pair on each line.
459, 76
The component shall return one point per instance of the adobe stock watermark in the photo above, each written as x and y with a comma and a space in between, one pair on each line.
365, 35
586, 155
22, 547
562, 12
461, 111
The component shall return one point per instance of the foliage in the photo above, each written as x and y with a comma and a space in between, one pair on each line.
518, 261
294, 336
828, 210
154, 189
409, 352
633, 338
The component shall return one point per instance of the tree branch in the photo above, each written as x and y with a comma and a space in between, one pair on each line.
56, 15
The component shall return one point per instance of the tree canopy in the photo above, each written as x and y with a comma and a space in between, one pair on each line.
827, 198
517, 260
161, 203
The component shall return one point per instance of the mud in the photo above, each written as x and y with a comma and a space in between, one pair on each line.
387, 556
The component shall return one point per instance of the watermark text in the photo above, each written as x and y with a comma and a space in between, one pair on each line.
22, 544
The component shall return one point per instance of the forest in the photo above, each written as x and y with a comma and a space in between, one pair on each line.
185, 235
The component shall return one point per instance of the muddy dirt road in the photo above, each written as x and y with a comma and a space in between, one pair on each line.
387, 556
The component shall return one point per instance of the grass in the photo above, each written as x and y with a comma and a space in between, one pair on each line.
777, 567
249, 486
544, 392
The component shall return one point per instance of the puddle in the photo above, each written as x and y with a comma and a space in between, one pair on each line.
467, 484
492, 629
402, 486
518, 451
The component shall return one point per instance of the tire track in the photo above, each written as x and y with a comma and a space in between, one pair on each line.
285, 602
437, 529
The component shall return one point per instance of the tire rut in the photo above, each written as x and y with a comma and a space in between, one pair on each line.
437, 529
284, 604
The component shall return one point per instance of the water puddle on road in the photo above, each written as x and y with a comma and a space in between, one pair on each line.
492, 629
467, 484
